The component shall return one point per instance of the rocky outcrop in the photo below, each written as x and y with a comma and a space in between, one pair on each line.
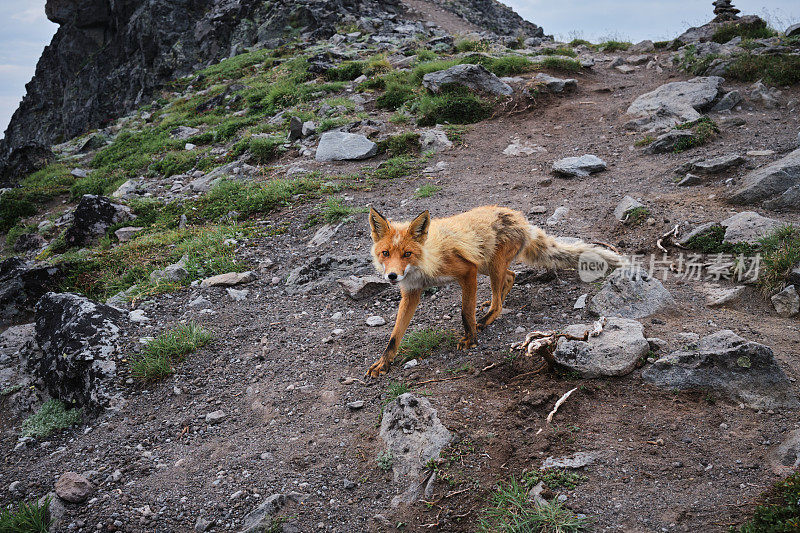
110, 57
473, 77
673, 103
78, 340
776, 185
493, 16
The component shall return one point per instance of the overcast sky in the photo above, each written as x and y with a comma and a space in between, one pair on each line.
25, 31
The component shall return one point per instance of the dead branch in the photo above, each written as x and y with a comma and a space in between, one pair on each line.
558, 404
544, 343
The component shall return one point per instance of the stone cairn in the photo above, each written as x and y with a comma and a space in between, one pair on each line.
724, 10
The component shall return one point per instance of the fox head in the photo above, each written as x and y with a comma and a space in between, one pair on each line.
397, 246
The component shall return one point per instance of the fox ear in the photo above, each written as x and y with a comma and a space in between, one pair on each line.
378, 224
418, 228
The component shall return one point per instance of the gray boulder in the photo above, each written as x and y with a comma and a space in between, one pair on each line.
728, 365
342, 146
473, 77
434, 139
615, 352
777, 184
728, 101
555, 85
413, 434
295, 128
579, 166
747, 226
92, 218
183, 132
786, 302
631, 292
673, 103
785, 458
642, 47
716, 165
78, 339
792, 30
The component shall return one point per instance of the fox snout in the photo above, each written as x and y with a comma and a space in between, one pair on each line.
395, 275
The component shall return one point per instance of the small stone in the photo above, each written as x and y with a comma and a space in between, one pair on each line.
189, 147
127, 233
237, 295
538, 210
200, 302
558, 215
202, 524
354, 406
375, 321
410, 364
786, 302
73, 487
228, 279
215, 417
137, 315
689, 180
579, 166
348, 485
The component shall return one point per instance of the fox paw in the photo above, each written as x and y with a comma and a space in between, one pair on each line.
378, 367
466, 343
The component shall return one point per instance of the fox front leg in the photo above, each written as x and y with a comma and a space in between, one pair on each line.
408, 304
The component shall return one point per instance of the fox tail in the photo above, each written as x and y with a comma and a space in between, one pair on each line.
545, 251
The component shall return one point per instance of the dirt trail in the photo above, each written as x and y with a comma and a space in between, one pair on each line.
430, 12
666, 461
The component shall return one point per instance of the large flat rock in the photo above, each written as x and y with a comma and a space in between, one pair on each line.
474, 77
614, 352
673, 103
343, 146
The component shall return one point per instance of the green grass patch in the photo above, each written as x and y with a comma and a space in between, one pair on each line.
712, 241
395, 167
455, 133
32, 192
25, 517
249, 198
394, 391
780, 253
645, 141
159, 356
246, 64
346, 71
421, 343
263, 149
334, 210
746, 30
471, 45
613, 46
636, 215
431, 66
427, 190
561, 64
509, 65
51, 417
399, 117
780, 511
423, 54
454, 106
511, 511
554, 478
559, 51
580, 42
395, 96
401, 144
18, 231
108, 272
778, 69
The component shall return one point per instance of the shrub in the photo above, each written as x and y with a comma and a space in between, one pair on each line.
431, 66
702, 130
509, 65
553, 478
780, 253
780, 511
580, 42
265, 149
395, 167
453, 106
754, 30
395, 96
29, 517
778, 69
613, 46
560, 51
385, 460
160, 355
423, 54
52, 416
467, 45
175, 163
346, 71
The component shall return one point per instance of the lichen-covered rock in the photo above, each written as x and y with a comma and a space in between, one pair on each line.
78, 339
21, 286
92, 217
729, 365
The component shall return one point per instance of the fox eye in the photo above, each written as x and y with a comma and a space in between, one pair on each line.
385, 253
407, 254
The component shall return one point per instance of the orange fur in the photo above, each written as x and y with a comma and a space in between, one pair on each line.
486, 240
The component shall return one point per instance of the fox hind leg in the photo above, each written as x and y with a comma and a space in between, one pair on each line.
502, 279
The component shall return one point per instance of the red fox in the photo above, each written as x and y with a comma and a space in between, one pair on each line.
427, 252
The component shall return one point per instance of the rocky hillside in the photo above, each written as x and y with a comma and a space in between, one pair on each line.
188, 305
108, 58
